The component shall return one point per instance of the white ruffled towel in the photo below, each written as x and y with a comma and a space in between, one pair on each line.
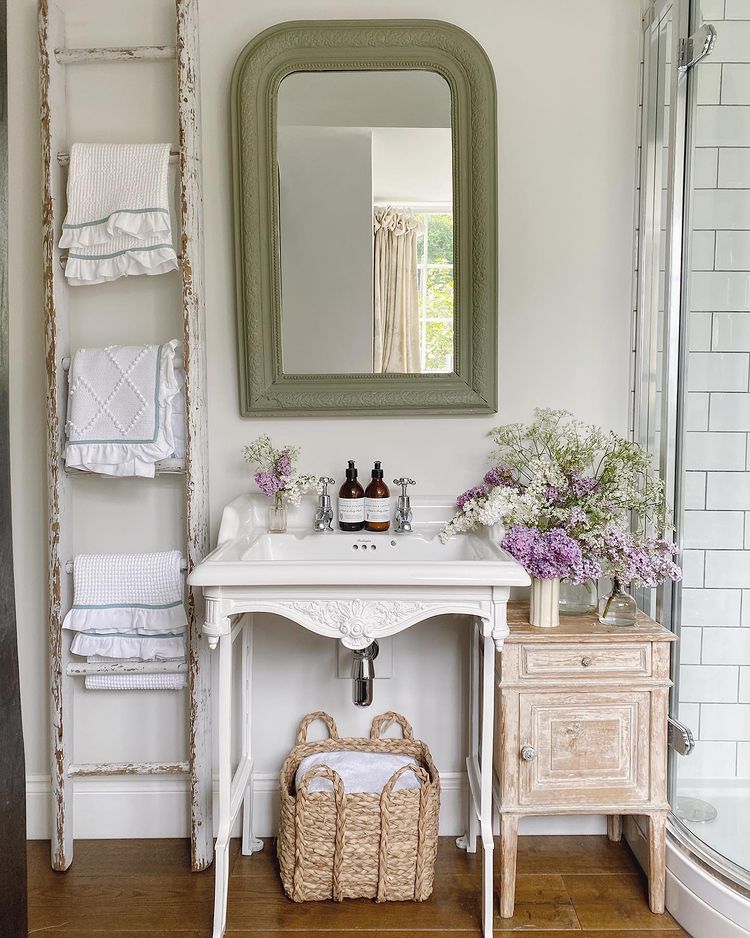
118, 222
359, 771
128, 606
121, 401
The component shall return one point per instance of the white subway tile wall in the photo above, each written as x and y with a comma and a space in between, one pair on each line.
734, 168
714, 679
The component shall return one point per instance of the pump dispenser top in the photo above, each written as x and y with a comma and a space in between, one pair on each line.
377, 502
351, 501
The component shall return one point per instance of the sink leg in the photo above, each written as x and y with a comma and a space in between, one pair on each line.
486, 770
468, 841
250, 843
221, 862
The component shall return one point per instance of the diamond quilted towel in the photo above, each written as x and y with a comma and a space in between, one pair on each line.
120, 408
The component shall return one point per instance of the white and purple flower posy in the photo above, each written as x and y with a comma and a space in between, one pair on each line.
565, 491
276, 476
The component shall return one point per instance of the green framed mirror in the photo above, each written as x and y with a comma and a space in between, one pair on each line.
365, 187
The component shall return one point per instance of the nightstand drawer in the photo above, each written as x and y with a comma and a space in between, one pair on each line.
583, 748
584, 661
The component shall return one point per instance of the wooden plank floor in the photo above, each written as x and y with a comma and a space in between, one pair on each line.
583, 886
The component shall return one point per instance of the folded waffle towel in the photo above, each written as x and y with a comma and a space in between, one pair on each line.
120, 405
359, 771
132, 681
128, 606
118, 221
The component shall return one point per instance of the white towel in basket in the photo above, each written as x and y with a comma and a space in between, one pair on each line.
359, 771
118, 222
133, 681
120, 408
128, 606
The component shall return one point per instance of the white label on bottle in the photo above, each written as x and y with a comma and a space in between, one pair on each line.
351, 510
377, 509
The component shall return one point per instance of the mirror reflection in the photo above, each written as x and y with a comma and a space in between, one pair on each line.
366, 222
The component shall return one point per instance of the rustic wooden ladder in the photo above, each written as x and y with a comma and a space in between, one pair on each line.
54, 59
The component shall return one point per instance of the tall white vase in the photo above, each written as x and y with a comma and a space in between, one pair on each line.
545, 603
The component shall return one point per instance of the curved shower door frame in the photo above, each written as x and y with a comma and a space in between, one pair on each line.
708, 894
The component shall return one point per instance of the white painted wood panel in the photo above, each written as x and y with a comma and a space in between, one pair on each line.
592, 748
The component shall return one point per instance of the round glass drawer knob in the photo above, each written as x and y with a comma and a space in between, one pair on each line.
528, 753
586, 662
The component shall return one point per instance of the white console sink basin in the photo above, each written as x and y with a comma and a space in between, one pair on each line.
247, 555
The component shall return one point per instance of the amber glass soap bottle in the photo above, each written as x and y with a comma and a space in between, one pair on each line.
377, 502
351, 502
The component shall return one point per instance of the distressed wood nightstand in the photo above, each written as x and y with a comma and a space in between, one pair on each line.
581, 728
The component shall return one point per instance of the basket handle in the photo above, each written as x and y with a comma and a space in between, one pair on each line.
385, 823
333, 733
380, 725
318, 771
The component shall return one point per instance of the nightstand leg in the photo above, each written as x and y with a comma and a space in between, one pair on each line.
657, 861
508, 854
614, 827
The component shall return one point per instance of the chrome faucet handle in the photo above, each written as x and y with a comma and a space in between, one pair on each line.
403, 506
323, 520
403, 482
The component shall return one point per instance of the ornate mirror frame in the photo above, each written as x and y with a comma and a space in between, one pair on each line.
348, 45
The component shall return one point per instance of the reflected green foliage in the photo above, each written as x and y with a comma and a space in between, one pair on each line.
439, 346
440, 242
436, 291
439, 293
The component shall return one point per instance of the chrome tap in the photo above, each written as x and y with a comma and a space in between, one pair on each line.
403, 507
324, 513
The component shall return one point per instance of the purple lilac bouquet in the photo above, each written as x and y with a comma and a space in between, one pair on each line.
276, 476
565, 492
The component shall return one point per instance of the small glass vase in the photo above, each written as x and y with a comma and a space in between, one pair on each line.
578, 599
544, 610
618, 607
277, 516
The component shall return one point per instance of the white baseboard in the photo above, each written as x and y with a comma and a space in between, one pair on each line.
157, 806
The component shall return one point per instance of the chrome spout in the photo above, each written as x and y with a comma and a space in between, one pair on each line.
403, 520
323, 520
363, 674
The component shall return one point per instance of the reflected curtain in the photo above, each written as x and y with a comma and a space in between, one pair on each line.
396, 331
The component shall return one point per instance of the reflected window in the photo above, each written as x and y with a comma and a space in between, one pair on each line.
435, 291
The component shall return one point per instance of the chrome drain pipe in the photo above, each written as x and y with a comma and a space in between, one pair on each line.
363, 674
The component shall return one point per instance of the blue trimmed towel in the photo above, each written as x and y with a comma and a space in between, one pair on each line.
122, 409
118, 222
128, 606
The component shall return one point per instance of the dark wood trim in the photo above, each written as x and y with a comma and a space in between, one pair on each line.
13, 914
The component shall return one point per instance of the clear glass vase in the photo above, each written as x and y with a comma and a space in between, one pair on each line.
277, 516
618, 607
578, 599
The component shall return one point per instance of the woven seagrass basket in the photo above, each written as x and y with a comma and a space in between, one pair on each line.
334, 845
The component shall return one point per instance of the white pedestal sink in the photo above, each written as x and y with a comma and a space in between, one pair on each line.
354, 588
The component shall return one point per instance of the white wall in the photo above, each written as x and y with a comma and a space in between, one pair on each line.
365, 99
412, 165
566, 166
325, 199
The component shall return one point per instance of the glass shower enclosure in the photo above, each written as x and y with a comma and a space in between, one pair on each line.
691, 400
